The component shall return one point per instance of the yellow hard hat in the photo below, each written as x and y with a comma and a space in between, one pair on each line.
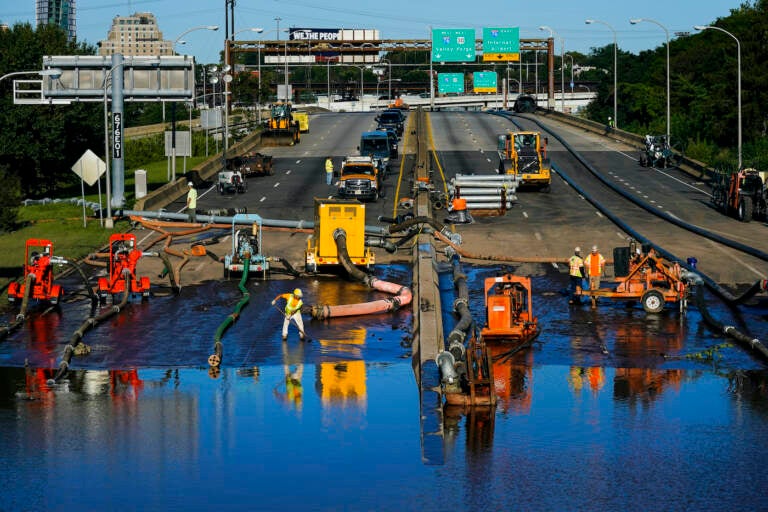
297, 292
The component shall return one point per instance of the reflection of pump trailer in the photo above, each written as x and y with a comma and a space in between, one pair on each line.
330, 215
123, 257
38, 267
246, 246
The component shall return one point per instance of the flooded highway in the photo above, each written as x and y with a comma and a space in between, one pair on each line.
592, 415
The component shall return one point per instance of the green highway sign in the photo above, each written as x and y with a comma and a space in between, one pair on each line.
501, 44
453, 45
484, 81
450, 82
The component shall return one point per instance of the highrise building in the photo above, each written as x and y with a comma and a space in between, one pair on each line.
135, 35
57, 12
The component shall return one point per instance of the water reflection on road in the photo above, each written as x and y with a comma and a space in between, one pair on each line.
594, 415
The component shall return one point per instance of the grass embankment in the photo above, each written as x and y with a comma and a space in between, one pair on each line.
62, 223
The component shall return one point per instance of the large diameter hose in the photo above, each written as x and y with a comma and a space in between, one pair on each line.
214, 360
402, 294
21, 316
76, 345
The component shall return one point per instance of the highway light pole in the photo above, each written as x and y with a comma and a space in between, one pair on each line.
615, 70
635, 21
552, 35
738, 80
571, 57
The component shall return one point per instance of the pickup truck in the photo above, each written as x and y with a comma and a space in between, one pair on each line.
392, 119
376, 145
359, 178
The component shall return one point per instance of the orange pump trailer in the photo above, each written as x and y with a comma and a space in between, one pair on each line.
40, 265
651, 279
123, 257
509, 311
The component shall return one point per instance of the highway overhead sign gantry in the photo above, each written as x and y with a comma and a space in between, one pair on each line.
501, 44
453, 45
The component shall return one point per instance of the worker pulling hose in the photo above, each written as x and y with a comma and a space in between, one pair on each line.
76, 345
214, 360
402, 294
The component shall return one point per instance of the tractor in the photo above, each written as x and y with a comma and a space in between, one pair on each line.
38, 273
281, 126
524, 154
658, 153
123, 257
741, 194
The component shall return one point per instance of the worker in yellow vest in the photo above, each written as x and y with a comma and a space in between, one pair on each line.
594, 264
293, 305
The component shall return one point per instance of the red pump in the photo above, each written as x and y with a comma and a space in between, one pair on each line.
38, 272
123, 257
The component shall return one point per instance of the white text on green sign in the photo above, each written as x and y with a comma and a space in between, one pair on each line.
453, 45
501, 44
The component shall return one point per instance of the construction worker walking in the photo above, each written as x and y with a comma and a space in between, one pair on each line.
192, 202
328, 170
594, 264
576, 272
293, 305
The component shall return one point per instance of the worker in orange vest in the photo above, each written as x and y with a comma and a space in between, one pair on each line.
293, 305
594, 264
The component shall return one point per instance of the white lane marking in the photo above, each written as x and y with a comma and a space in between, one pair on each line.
298, 161
276, 185
599, 214
288, 171
525, 214
621, 235
264, 198
489, 160
743, 263
537, 235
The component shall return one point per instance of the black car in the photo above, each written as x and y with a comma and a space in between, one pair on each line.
392, 135
391, 119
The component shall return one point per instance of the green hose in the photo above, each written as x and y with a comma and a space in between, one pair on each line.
214, 360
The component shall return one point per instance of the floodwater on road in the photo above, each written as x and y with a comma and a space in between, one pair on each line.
593, 416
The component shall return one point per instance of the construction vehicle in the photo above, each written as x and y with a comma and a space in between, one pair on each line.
38, 267
301, 117
359, 177
742, 194
121, 269
251, 164
524, 154
246, 245
231, 182
509, 310
281, 126
642, 274
524, 104
330, 215
658, 153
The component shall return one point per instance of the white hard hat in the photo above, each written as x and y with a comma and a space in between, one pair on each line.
190, 184
578, 249
297, 292
594, 248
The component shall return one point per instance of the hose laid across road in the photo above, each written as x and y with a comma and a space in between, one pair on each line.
214, 360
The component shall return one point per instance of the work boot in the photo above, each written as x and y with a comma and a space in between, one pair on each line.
285, 337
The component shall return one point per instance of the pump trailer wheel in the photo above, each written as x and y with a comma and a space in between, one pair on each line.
653, 301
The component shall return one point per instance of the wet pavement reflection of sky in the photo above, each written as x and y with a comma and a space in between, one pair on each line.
334, 424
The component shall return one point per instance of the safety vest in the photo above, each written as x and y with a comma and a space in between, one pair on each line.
575, 264
594, 263
329, 166
292, 304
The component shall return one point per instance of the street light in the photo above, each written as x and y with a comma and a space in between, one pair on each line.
635, 21
571, 57
615, 69
552, 35
52, 72
361, 68
738, 61
201, 27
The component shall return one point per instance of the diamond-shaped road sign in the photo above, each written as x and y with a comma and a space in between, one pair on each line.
89, 167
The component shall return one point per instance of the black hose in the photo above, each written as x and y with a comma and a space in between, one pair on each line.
461, 306
380, 242
91, 294
76, 345
214, 360
715, 287
287, 264
171, 274
340, 237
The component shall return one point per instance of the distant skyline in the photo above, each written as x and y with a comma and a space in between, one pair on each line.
396, 19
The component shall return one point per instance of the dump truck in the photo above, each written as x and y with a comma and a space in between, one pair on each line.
524, 154
251, 164
360, 178
282, 128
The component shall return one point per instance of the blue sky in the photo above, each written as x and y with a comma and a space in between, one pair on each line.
398, 19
